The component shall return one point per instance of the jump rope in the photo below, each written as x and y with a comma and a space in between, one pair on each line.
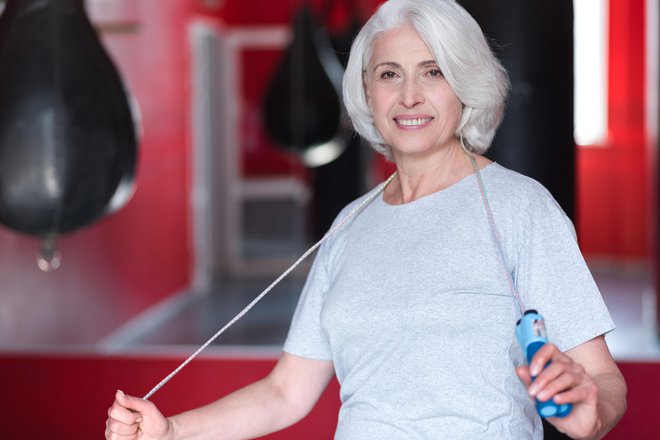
530, 329
270, 287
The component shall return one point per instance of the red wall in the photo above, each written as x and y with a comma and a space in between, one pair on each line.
54, 397
68, 398
613, 194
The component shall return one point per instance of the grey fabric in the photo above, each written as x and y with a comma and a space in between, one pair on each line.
411, 304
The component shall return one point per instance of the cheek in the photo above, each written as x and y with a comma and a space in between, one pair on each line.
379, 95
381, 116
380, 122
456, 104
367, 86
453, 108
379, 107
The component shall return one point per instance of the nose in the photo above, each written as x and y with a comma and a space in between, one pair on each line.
411, 94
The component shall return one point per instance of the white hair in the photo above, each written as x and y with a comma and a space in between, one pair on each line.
462, 53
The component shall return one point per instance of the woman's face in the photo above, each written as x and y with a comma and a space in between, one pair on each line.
414, 108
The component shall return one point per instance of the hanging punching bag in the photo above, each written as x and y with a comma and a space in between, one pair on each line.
303, 109
343, 180
67, 139
534, 40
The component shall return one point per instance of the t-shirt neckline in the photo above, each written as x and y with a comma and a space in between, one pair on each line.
453, 187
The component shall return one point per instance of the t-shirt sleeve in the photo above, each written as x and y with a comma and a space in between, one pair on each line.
554, 279
306, 336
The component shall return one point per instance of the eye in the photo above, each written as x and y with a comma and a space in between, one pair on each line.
435, 73
388, 74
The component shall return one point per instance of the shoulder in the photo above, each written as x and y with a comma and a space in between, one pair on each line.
524, 199
516, 190
503, 178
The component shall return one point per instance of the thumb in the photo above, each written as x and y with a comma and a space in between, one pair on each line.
135, 404
151, 422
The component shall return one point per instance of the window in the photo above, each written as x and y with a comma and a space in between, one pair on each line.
590, 56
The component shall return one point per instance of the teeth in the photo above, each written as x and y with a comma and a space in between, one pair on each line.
413, 122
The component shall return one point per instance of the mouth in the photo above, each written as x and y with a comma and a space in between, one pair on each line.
412, 122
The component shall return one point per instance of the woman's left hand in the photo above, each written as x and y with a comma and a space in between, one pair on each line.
569, 382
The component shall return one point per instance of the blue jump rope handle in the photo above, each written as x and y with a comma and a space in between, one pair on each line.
530, 332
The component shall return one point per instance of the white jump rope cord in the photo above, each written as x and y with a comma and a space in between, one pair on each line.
494, 233
268, 289
496, 236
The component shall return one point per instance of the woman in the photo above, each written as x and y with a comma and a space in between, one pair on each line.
408, 304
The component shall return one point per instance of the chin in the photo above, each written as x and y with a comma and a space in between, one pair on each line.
416, 148
412, 151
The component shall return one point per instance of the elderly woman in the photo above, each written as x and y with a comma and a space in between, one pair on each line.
409, 303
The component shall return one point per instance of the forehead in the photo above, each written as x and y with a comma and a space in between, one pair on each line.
399, 45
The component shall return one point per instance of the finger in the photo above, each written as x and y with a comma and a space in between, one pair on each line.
565, 381
572, 375
122, 414
542, 357
110, 435
559, 367
115, 436
573, 395
523, 375
549, 362
120, 428
584, 393
546, 375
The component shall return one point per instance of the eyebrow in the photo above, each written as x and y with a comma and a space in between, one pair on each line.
397, 65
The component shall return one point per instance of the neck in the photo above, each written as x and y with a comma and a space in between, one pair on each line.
419, 177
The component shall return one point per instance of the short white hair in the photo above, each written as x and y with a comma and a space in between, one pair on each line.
462, 53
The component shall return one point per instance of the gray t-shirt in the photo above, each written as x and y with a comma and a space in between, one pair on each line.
412, 305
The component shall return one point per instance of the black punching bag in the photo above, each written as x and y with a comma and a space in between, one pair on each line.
534, 41
67, 139
303, 107
343, 180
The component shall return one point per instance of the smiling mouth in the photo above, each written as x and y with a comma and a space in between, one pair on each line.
412, 122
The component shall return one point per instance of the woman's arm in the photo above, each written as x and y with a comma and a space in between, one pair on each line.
585, 376
279, 400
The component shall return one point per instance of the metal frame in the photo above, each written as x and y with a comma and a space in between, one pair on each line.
219, 191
